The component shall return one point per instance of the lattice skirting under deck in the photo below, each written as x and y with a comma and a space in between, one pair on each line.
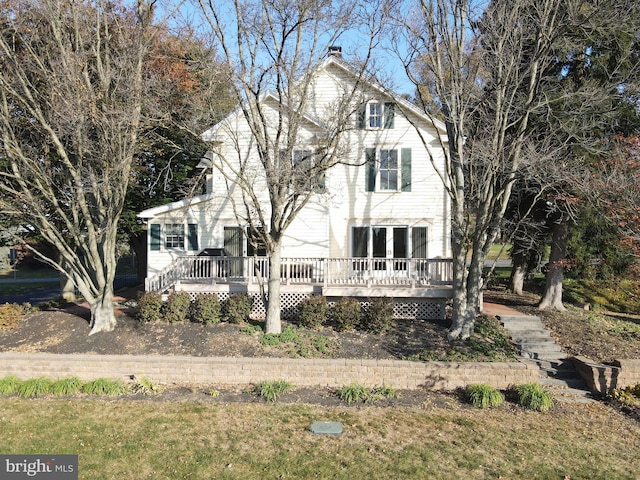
403, 308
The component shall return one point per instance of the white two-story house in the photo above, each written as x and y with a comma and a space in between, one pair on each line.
377, 224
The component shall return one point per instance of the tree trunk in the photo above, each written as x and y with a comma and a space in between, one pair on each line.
517, 280
103, 318
67, 289
272, 322
552, 299
466, 294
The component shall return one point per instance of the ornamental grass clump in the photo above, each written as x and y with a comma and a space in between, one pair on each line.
534, 397
272, 390
105, 386
34, 387
352, 393
66, 386
481, 395
9, 385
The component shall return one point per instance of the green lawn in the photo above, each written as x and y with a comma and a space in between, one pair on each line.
118, 439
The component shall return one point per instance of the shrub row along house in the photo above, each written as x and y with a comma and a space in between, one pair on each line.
376, 224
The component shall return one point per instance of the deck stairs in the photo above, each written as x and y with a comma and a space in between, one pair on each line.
534, 342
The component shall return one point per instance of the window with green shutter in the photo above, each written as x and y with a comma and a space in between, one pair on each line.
389, 114
388, 170
406, 170
192, 239
375, 115
370, 169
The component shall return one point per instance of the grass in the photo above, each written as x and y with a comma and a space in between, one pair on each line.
126, 439
621, 296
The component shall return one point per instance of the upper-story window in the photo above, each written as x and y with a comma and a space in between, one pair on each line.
308, 173
376, 115
387, 170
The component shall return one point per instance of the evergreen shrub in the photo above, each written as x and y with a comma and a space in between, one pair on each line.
237, 308
378, 318
347, 314
149, 307
206, 309
312, 311
177, 307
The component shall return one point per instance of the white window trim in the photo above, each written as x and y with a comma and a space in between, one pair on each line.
165, 237
370, 226
398, 171
368, 115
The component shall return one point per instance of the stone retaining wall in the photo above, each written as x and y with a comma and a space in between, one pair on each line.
242, 371
604, 379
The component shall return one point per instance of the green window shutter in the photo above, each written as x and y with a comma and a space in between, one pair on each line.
389, 114
320, 183
192, 240
154, 232
406, 169
370, 170
361, 116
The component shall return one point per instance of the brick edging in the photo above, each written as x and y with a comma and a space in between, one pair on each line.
242, 371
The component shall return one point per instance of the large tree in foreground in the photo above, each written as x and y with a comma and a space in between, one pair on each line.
71, 86
273, 48
479, 68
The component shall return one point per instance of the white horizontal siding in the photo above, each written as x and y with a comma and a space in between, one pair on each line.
322, 228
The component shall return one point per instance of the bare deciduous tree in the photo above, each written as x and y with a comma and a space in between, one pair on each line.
481, 66
274, 48
71, 89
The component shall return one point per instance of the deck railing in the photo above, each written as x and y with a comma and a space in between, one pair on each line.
317, 271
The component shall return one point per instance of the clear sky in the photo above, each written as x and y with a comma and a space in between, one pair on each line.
354, 44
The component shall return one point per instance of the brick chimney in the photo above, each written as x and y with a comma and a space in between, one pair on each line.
334, 51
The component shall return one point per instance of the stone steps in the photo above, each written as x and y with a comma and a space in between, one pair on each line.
558, 375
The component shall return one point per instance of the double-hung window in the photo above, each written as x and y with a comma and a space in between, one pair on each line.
174, 236
376, 115
388, 170
308, 176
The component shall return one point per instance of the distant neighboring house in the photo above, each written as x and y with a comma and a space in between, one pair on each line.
378, 225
